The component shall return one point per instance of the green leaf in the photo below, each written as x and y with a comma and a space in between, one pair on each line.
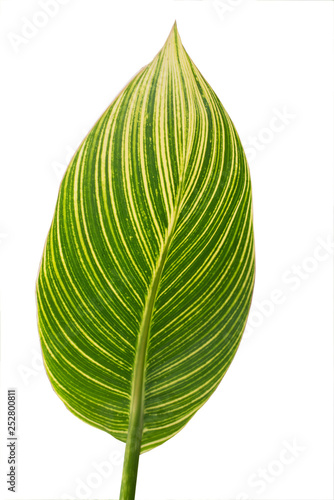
148, 269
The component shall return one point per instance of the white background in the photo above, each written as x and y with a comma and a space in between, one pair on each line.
263, 58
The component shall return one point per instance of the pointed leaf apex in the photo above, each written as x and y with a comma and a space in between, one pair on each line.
174, 36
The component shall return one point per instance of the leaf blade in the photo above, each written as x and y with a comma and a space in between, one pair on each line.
148, 270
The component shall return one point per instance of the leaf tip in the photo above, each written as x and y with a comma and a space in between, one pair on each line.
174, 37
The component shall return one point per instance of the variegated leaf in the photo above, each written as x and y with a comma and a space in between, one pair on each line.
148, 269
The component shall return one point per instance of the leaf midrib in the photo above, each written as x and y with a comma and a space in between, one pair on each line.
136, 417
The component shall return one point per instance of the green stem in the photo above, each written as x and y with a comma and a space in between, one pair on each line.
135, 429
131, 457
136, 419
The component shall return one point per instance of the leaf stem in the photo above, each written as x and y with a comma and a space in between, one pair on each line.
136, 419
131, 457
